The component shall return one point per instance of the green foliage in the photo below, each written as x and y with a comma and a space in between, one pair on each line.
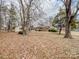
73, 25
55, 21
60, 17
53, 30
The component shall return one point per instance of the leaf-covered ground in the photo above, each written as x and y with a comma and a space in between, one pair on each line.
38, 45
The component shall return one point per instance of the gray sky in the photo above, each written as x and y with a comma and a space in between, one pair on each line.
50, 7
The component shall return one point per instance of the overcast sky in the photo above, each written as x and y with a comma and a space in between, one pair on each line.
49, 6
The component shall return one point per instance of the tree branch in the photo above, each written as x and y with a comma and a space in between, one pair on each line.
74, 15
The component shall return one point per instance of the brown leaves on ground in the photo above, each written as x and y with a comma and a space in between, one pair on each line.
38, 45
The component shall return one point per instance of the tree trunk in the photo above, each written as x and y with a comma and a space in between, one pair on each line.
68, 19
60, 31
9, 26
68, 30
24, 27
24, 31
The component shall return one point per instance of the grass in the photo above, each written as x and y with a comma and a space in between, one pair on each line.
38, 45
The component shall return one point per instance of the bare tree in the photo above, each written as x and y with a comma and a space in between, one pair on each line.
23, 17
13, 17
1, 3
29, 12
69, 17
3, 10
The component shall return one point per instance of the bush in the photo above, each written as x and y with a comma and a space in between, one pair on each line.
73, 25
53, 30
20, 32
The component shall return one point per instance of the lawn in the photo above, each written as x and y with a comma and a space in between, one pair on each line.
38, 45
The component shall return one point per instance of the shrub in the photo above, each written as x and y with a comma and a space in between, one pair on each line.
53, 30
20, 32
73, 25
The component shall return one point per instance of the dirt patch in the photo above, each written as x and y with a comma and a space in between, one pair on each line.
38, 45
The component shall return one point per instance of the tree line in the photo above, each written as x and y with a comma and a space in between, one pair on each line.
26, 12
